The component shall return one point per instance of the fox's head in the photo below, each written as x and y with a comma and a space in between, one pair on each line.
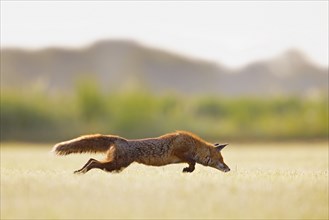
216, 159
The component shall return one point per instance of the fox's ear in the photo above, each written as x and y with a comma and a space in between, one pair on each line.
219, 147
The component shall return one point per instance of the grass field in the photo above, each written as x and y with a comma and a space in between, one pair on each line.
267, 181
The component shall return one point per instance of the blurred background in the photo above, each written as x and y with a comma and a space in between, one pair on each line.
227, 71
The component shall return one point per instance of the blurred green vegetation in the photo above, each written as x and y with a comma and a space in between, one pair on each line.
36, 116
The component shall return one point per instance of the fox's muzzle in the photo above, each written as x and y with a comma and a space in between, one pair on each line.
223, 167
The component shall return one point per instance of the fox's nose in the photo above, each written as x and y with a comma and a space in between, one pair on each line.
227, 169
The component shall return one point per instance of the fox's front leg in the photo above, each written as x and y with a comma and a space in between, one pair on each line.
190, 168
186, 157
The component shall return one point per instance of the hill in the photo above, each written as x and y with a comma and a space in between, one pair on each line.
118, 65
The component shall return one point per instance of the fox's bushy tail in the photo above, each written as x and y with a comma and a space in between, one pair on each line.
85, 144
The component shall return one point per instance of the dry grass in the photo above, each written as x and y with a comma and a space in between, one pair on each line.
266, 182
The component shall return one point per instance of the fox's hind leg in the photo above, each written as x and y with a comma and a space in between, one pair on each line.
89, 161
190, 168
92, 163
108, 166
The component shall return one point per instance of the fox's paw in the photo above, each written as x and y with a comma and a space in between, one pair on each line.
79, 172
188, 170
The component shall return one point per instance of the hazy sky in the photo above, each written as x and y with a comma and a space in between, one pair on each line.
232, 33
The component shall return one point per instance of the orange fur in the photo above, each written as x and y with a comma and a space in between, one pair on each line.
177, 147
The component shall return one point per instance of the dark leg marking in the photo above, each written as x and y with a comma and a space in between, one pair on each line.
92, 164
80, 170
106, 166
190, 168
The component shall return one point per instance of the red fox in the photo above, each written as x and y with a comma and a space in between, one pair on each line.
177, 147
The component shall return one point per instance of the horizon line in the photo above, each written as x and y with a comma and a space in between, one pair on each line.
86, 46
